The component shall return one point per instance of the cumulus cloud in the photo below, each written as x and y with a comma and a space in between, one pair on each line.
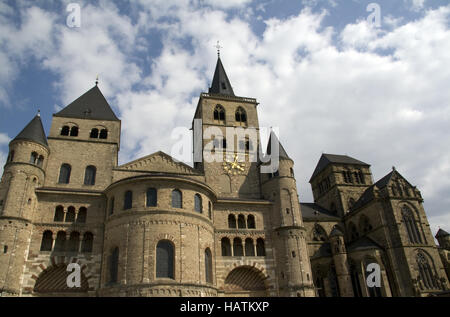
379, 95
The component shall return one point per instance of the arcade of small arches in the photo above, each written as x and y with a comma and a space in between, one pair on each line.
70, 214
74, 244
242, 222
238, 248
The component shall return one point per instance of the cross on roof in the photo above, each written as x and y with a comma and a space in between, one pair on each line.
218, 48
87, 112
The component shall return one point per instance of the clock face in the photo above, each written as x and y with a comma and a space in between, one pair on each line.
232, 166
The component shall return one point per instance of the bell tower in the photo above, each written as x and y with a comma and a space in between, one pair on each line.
229, 140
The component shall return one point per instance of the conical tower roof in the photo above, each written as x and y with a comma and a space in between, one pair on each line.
34, 131
92, 105
221, 84
281, 151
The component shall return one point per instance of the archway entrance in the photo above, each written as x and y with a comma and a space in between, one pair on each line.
53, 282
245, 281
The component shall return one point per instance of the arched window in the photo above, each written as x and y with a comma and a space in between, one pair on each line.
237, 247
33, 158
353, 231
361, 177
82, 215
151, 197
426, 272
165, 260
411, 225
40, 161
249, 247
251, 222
260, 248
74, 131
113, 266
47, 241
88, 241
64, 174
60, 243
94, 133
364, 224
208, 266
226, 247
89, 175
59, 214
198, 203
241, 116
231, 221
111, 206
209, 210
104, 134
74, 242
128, 200
355, 280
70, 215
333, 282
351, 203
177, 199
241, 222
65, 130
219, 114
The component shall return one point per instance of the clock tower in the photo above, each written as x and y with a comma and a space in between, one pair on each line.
229, 140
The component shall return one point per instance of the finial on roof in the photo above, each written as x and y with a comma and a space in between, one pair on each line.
218, 48
393, 168
39, 113
96, 80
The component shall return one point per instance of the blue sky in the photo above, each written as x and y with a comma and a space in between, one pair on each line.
330, 80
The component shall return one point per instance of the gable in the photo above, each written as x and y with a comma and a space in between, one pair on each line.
159, 162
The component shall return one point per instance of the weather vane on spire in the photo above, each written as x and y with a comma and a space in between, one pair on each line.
218, 48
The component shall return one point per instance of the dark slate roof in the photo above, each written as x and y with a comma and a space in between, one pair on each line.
363, 243
368, 195
441, 233
327, 159
324, 251
314, 212
92, 105
34, 131
365, 198
336, 232
221, 84
281, 152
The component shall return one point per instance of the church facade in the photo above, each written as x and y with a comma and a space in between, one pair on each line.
158, 227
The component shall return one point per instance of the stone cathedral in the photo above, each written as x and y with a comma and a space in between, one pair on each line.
158, 227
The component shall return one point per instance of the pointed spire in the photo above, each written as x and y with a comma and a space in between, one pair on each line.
221, 84
34, 131
281, 152
92, 105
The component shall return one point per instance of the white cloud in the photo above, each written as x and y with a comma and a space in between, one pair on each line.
4, 140
378, 95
